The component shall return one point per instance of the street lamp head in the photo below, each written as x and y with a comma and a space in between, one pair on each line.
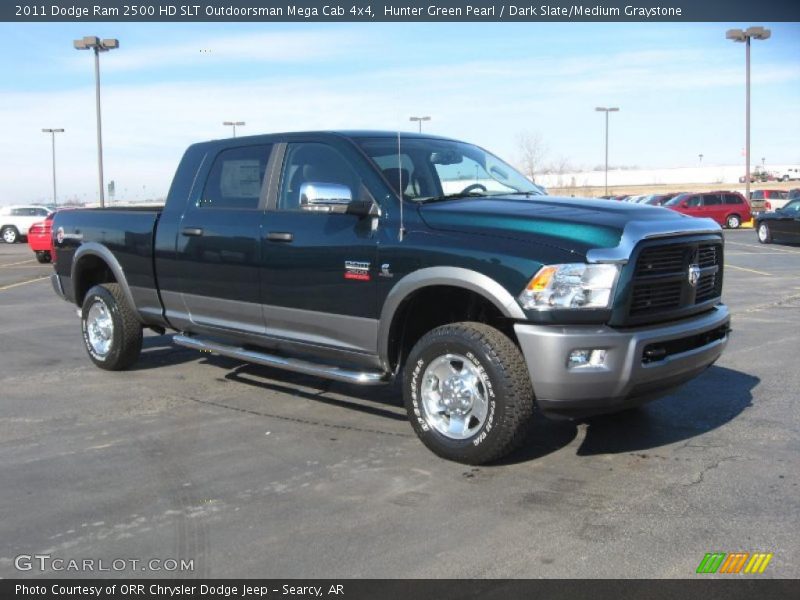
737, 35
94, 42
232, 123
52, 131
607, 109
758, 33
419, 118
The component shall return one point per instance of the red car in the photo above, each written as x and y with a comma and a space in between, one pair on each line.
40, 241
729, 209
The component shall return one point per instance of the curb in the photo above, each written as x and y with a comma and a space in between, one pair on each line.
747, 224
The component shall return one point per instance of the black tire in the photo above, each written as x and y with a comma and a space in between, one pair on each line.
733, 222
763, 233
509, 392
10, 234
126, 330
43, 256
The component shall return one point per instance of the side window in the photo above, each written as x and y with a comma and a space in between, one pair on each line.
41, 212
313, 162
732, 199
758, 195
711, 200
236, 178
18, 212
694, 201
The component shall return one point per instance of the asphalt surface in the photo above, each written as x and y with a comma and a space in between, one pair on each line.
252, 472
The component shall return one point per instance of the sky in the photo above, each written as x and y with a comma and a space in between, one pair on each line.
679, 87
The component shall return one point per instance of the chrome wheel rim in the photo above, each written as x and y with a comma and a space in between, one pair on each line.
733, 222
762, 233
455, 396
9, 236
99, 328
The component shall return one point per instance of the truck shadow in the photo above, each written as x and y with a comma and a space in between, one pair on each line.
380, 401
702, 405
159, 351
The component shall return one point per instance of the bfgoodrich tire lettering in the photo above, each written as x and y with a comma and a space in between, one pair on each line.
496, 366
111, 332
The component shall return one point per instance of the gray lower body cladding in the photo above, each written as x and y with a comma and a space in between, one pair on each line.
641, 364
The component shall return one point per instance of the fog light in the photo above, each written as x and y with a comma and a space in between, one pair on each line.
586, 358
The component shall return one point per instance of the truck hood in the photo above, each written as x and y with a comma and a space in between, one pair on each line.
574, 225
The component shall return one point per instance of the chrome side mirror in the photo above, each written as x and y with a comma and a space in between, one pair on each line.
325, 197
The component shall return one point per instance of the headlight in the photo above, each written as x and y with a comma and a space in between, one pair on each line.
574, 285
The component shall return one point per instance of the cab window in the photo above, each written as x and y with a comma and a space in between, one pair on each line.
236, 178
313, 162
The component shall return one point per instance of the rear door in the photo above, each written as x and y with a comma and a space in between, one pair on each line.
713, 208
219, 244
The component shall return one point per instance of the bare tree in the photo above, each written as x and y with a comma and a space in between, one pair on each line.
532, 151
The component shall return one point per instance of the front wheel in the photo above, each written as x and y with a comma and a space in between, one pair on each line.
111, 332
733, 221
764, 233
467, 392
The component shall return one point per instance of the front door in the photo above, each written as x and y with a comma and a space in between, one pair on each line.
318, 279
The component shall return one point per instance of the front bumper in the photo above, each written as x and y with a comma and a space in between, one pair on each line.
677, 352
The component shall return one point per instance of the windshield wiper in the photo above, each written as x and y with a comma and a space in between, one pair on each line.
454, 197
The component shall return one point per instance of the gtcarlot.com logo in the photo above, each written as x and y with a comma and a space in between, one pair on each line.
46, 562
735, 562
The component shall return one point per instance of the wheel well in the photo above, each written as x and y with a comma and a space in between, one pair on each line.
432, 306
90, 271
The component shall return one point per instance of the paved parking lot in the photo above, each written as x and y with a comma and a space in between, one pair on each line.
259, 473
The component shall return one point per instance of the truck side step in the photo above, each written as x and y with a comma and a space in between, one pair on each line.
282, 362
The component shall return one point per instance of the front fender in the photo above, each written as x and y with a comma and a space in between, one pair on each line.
451, 276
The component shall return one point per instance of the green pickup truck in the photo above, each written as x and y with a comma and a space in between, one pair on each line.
370, 257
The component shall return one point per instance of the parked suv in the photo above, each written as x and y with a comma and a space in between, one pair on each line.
16, 220
729, 209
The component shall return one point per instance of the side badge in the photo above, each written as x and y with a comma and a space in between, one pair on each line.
356, 270
386, 270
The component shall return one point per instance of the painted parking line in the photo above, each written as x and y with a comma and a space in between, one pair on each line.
762, 247
730, 266
22, 262
735, 253
13, 285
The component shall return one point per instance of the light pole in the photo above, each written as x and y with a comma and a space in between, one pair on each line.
98, 45
607, 110
53, 133
738, 35
419, 120
233, 124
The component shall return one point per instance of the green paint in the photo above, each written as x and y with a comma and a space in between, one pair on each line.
711, 562
597, 236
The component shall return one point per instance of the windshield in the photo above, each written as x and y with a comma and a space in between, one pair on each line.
430, 169
677, 200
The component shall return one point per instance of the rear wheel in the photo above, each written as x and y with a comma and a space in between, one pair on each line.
10, 234
111, 332
43, 256
764, 233
467, 393
733, 221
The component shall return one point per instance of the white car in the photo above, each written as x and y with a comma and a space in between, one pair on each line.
16, 220
790, 174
